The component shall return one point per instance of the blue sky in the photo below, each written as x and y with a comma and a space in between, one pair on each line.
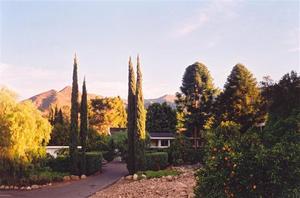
38, 40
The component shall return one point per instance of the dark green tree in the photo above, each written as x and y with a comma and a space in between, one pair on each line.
160, 118
241, 99
131, 118
74, 122
196, 99
140, 122
83, 126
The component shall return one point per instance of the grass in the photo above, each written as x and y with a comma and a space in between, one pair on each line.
158, 174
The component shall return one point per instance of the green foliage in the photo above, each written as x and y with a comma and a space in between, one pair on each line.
252, 164
107, 113
60, 134
196, 98
160, 118
160, 173
131, 109
156, 161
121, 141
181, 151
83, 127
110, 154
74, 122
24, 134
63, 163
241, 100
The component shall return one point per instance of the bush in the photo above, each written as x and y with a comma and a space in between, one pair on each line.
254, 164
156, 161
181, 151
93, 163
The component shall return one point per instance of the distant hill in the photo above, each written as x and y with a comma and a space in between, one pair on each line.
169, 99
62, 99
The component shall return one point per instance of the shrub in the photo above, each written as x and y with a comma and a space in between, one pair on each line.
93, 163
156, 161
254, 164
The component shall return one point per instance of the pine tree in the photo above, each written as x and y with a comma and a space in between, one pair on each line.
241, 99
140, 126
196, 99
74, 121
131, 118
83, 126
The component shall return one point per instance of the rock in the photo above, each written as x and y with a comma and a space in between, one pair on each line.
2, 187
22, 188
83, 177
34, 187
128, 177
183, 194
169, 178
74, 177
163, 179
11, 187
143, 176
6, 187
66, 178
135, 177
16, 188
28, 188
50, 184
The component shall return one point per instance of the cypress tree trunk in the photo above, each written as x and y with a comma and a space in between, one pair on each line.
131, 119
83, 127
140, 124
74, 122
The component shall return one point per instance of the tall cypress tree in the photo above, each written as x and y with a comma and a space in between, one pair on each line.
74, 121
140, 126
241, 99
83, 126
131, 118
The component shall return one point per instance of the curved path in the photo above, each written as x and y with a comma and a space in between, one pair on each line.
111, 172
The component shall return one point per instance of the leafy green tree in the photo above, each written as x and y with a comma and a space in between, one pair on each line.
140, 122
74, 121
160, 118
196, 98
24, 133
285, 96
107, 113
131, 118
241, 100
83, 126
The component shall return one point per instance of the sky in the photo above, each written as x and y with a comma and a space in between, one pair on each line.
38, 40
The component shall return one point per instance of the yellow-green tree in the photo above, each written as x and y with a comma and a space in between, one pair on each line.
24, 133
106, 113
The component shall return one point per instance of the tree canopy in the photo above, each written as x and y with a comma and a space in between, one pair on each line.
160, 118
107, 113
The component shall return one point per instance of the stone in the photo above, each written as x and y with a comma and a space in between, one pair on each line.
74, 177
135, 177
16, 188
28, 188
67, 178
83, 177
11, 187
22, 188
169, 178
6, 187
2, 187
143, 176
163, 179
50, 184
34, 187
128, 177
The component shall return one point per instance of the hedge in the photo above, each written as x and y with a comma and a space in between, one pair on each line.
93, 163
156, 160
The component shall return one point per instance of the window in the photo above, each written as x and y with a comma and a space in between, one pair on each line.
164, 142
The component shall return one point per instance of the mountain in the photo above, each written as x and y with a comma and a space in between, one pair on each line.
61, 99
169, 99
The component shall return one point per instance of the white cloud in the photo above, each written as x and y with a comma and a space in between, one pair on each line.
207, 14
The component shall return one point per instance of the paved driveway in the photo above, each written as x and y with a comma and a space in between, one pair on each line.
82, 188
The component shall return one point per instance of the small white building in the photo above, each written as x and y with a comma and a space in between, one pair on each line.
161, 139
